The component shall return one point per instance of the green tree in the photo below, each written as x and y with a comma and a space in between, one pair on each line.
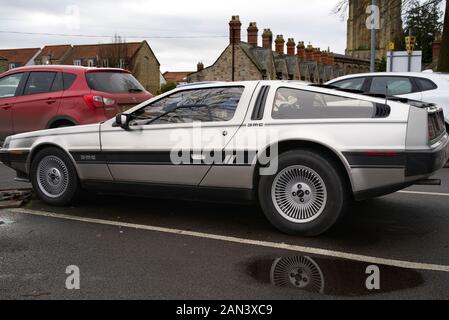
423, 20
443, 61
170, 85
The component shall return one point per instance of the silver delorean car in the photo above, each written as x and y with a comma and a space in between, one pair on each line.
302, 152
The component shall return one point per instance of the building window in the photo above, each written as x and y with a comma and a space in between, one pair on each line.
77, 62
45, 60
122, 64
91, 63
105, 63
12, 66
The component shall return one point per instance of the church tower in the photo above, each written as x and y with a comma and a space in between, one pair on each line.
359, 36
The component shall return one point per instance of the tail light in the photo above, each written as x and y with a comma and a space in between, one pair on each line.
98, 101
436, 124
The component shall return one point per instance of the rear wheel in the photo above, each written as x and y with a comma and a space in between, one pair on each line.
306, 196
54, 177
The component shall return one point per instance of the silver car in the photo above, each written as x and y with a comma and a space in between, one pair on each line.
302, 152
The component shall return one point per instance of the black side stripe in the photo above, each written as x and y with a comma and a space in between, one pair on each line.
234, 158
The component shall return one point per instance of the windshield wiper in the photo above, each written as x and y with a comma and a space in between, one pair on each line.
135, 90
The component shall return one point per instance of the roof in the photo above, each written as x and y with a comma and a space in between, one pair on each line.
19, 56
178, 76
92, 51
55, 52
65, 68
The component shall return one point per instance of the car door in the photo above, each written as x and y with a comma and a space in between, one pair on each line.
39, 101
8, 89
177, 148
399, 86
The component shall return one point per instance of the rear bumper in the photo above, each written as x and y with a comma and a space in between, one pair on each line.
426, 162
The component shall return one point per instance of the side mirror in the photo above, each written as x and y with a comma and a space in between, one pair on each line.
122, 120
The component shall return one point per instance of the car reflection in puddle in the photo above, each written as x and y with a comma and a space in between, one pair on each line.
331, 277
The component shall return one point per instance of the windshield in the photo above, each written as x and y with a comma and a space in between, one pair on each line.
113, 82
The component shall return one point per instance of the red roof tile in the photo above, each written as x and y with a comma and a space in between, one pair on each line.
177, 76
91, 51
19, 56
55, 52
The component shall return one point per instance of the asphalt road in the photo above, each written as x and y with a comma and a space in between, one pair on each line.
152, 249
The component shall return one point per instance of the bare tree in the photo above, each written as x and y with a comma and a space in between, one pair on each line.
114, 54
443, 61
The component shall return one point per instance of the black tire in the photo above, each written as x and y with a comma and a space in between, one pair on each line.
330, 207
47, 160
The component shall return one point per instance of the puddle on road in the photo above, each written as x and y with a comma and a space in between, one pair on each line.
331, 277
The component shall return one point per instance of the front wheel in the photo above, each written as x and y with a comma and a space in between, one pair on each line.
306, 196
54, 177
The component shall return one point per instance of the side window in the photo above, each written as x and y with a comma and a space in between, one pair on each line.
203, 105
396, 85
353, 84
39, 82
9, 85
300, 104
68, 79
57, 83
426, 85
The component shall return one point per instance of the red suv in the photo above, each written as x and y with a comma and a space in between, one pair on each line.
43, 97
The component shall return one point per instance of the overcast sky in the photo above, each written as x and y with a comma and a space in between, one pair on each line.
309, 21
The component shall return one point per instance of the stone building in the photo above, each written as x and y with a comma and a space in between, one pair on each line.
137, 57
17, 58
359, 36
3, 64
249, 61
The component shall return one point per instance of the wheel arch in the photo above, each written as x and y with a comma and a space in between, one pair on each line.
36, 149
60, 119
288, 145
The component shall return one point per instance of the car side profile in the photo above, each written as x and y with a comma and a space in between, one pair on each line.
302, 152
42, 97
428, 87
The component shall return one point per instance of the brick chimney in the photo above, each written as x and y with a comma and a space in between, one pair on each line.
324, 58
235, 30
317, 55
301, 50
291, 44
309, 52
267, 39
253, 33
200, 66
280, 44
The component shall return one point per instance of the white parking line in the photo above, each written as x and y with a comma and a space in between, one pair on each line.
283, 246
426, 193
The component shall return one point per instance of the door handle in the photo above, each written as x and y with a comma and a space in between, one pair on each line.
50, 101
6, 106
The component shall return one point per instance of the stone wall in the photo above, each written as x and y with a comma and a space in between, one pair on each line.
3, 65
222, 69
146, 69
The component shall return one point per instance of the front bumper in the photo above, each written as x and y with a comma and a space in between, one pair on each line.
4, 157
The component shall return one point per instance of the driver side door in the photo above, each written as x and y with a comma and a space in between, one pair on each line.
169, 149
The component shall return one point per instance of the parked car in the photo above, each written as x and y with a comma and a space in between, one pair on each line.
429, 87
303, 152
43, 97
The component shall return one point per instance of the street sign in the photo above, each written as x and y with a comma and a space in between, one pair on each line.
410, 42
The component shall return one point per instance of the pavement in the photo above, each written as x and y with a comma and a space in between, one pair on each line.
134, 248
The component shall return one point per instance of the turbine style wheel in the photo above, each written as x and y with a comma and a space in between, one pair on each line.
299, 194
54, 177
306, 196
298, 272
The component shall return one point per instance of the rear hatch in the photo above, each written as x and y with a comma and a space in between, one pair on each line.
115, 91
